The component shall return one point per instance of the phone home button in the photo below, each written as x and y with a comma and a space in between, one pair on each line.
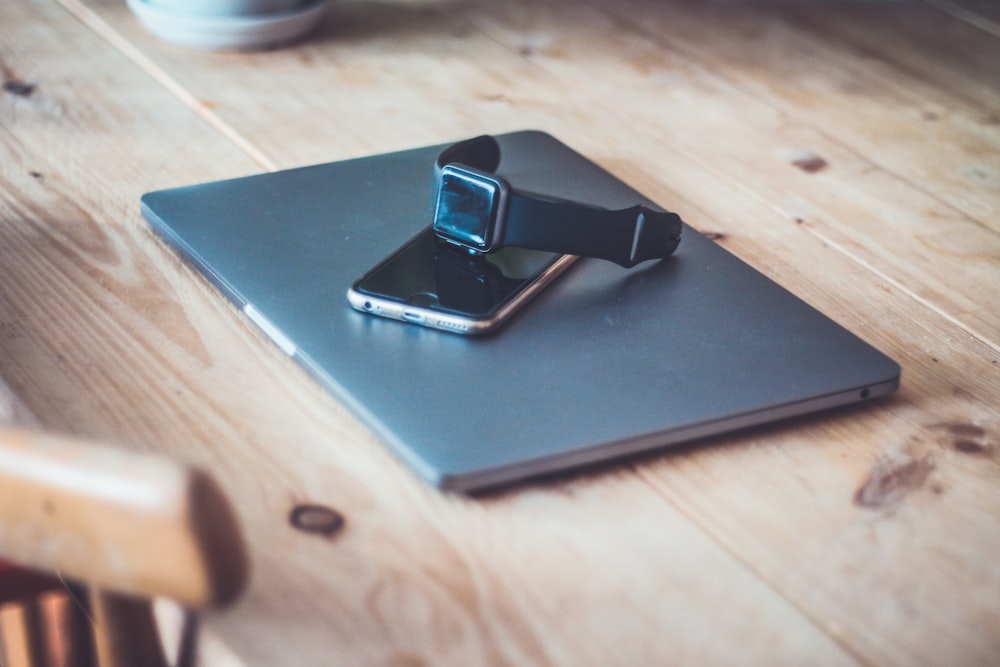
422, 299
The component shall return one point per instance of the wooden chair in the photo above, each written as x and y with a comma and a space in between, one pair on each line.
104, 531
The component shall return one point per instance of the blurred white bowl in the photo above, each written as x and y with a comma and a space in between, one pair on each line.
225, 7
229, 33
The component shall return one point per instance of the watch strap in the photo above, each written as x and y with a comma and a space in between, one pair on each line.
625, 236
482, 152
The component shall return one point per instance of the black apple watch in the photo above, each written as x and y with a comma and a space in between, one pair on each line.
480, 211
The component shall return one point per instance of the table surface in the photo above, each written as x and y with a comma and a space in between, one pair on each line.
849, 150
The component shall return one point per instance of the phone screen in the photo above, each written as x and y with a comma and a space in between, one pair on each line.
431, 282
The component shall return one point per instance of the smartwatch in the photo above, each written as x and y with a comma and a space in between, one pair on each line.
480, 211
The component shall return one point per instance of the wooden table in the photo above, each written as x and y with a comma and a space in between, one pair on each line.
849, 150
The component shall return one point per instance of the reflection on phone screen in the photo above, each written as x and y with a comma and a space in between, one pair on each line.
431, 273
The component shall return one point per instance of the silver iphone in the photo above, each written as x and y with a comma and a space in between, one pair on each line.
432, 283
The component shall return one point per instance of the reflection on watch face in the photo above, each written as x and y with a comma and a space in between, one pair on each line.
466, 208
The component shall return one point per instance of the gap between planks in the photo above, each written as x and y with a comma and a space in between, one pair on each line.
90, 19
965, 15
829, 240
832, 243
717, 537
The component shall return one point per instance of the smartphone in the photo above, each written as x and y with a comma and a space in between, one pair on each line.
432, 283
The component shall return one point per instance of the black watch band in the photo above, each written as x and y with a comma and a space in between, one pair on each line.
482, 212
482, 152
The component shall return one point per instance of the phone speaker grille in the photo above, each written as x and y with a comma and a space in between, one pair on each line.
453, 326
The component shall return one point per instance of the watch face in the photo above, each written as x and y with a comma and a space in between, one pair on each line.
467, 207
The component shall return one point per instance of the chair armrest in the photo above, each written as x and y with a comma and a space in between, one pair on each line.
132, 523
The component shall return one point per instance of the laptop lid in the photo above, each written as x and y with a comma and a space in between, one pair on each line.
606, 362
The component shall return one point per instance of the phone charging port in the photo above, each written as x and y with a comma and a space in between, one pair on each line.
411, 316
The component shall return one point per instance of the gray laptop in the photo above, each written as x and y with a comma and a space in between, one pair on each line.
606, 362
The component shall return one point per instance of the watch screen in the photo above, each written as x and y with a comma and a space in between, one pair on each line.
466, 207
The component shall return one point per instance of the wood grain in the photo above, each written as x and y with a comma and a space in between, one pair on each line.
944, 247
808, 162
12, 408
982, 14
799, 137
398, 585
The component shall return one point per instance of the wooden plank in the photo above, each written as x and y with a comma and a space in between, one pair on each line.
855, 495
107, 334
787, 155
12, 408
860, 302
360, 50
983, 14
943, 254
861, 507
846, 68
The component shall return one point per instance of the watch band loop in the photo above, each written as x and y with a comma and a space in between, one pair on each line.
482, 152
